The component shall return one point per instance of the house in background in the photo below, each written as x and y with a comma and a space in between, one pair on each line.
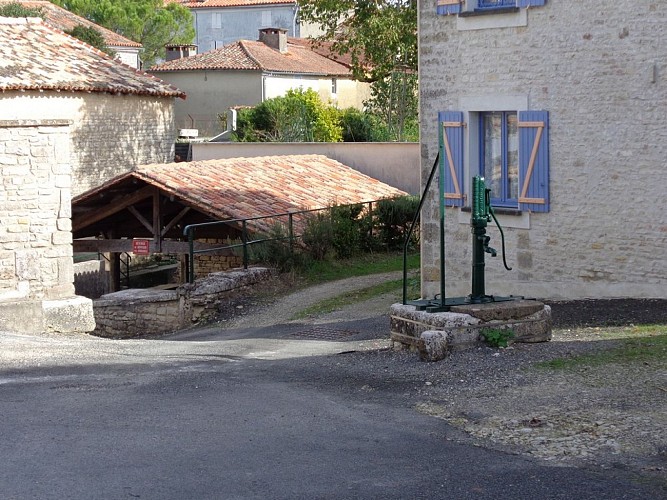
560, 105
120, 117
221, 22
246, 73
127, 51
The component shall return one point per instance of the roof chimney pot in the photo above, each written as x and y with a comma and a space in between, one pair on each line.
276, 38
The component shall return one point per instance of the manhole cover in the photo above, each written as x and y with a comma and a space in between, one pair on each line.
324, 333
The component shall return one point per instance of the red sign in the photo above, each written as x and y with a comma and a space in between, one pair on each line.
141, 247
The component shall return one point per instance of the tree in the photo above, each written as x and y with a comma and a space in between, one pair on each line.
298, 116
16, 9
91, 36
381, 39
148, 22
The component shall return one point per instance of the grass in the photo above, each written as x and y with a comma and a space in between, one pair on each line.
645, 344
320, 272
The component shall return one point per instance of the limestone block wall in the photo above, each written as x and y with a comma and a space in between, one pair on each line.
35, 209
110, 134
134, 312
36, 268
600, 70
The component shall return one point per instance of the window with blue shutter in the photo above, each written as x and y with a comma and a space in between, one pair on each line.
446, 7
451, 155
534, 161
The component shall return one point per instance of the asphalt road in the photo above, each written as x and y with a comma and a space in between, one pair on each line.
238, 416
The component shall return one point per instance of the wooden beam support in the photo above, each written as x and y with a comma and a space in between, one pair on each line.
140, 218
125, 245
114, 206
175, 220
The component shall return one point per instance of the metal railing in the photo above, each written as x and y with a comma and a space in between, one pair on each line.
190, 232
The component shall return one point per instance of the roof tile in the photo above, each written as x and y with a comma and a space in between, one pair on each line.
40, 57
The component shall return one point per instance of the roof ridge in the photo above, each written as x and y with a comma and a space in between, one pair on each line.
249, 54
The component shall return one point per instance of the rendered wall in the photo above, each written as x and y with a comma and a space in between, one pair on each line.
240, 24
600, 69
110, 134
394, 163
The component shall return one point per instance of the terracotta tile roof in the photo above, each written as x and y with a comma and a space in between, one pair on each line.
256, 55
238, 188
65, 20
40, 57
207, 4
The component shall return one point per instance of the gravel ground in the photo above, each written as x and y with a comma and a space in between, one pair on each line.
612, 417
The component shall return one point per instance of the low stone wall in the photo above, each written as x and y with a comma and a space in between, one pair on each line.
134, 312
434, 335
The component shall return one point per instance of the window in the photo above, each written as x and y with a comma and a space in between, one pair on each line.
495, 4
513, 152
334, 86
499, 156
216, 20
447, 7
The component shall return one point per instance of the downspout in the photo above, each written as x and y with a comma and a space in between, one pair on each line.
294, 23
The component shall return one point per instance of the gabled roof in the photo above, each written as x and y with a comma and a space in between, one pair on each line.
37, 56
256, 55
65, 20
207, 4
238, 188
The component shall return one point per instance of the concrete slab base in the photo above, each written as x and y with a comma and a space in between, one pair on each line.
435, 335
67, 315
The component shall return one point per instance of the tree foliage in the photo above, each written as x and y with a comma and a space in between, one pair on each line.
149, 22
16, 9
299, 116
380, 37
91, 36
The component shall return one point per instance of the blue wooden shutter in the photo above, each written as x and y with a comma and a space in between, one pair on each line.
531, 3
534, 161
451, 155
446, 7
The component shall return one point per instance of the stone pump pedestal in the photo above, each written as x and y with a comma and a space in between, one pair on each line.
437, 326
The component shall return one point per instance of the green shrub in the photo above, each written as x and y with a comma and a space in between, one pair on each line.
392, 219
276, 250
496, 337
317, 236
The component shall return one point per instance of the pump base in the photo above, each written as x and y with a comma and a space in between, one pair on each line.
435, 334
438, 305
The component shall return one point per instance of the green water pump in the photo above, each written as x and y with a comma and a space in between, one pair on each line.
482, 213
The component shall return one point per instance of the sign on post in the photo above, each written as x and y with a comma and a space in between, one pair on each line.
141, 247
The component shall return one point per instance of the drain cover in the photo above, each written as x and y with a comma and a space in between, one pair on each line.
324, 333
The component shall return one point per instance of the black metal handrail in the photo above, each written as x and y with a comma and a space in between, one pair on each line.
189, 232
412, 228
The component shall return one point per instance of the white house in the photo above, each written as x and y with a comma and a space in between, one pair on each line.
246, 73
561, 106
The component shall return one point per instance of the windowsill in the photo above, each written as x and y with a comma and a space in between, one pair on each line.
499, 211
505, 17
486, 12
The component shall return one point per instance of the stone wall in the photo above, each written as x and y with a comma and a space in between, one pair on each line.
600, 69
134, 312
36, 269
110, 134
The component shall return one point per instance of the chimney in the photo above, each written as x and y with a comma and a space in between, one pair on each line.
180, 51
276, 38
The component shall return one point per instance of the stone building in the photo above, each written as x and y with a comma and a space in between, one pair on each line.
69, 116
561, 105
121, 117
126, 51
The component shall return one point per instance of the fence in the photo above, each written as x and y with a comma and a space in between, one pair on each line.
289, 219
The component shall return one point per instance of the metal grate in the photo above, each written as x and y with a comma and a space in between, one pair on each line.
323, 333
